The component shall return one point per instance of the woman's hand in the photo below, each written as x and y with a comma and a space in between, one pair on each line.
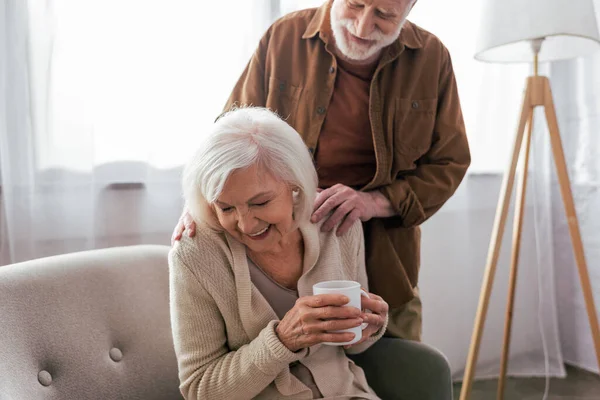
186, 222
376, 318
312, 319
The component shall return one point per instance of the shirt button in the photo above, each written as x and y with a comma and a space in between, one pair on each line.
321, 110
331, 70
415, 104
311, 150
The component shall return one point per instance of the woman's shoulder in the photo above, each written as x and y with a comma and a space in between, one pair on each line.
205, 252
355, 232
349, 240
342, 252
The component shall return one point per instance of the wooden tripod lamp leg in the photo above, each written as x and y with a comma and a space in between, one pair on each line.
494, 249
567, 196
514, 260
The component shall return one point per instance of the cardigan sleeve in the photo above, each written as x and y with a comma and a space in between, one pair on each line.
358, 243
207, 368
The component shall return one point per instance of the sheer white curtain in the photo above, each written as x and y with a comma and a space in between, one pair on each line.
101, 103
576, 86
455, 248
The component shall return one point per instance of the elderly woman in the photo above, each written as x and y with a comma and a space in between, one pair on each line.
245, 322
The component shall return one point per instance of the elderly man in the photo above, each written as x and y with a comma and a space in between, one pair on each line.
375, 100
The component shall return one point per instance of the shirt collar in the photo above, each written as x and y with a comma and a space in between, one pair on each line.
320, 24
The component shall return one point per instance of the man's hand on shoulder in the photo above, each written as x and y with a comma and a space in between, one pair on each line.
348, 205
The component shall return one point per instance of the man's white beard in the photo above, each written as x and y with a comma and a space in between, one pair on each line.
355, 51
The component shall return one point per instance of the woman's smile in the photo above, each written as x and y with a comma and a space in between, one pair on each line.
261, 234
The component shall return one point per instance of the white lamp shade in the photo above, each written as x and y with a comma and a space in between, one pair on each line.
507, 27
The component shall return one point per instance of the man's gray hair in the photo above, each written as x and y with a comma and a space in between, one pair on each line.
240, 139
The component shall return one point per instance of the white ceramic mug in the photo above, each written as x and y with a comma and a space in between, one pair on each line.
353, 291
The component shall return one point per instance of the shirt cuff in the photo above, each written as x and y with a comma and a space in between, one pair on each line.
404, 202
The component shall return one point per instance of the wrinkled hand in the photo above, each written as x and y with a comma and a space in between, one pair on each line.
308, 323
349, 204
376, 318
185, 222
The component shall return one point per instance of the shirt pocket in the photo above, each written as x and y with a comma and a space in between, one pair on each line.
414, 121
282, 98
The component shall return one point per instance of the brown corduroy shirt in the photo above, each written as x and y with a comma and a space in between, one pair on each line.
419, 138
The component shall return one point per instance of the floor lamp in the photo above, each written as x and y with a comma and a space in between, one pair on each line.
531, 31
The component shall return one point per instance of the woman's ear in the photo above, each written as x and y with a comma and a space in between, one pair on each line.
295, 200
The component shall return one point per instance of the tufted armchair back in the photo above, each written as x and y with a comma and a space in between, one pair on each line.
89, 325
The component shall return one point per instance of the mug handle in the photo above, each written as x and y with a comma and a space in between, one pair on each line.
364, 293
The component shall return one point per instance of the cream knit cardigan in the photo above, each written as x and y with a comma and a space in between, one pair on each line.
224, 329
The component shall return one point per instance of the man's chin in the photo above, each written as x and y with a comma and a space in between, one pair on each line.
357, 55
357, 52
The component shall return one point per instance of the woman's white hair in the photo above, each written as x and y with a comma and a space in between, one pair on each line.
240, 139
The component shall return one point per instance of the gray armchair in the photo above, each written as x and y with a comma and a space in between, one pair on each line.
89, 325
